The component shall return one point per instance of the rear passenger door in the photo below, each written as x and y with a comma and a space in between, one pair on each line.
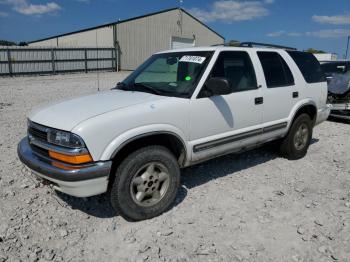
279, 90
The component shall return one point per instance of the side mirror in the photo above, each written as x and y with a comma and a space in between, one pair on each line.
218, 86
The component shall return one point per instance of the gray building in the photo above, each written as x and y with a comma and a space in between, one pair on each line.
137, 38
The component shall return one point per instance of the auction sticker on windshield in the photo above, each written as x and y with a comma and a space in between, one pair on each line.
192, 59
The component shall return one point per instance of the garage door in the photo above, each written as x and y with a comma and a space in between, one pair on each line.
181, 42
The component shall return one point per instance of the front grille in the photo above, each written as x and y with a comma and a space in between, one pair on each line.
37, 134
39, 151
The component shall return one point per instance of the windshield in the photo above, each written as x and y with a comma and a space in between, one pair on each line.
168, 74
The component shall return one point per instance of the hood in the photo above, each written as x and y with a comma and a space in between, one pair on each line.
67, 114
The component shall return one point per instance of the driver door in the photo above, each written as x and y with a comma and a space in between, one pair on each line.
223, 123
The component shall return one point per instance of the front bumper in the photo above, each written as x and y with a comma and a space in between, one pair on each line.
323, 114
80, 181
341, 111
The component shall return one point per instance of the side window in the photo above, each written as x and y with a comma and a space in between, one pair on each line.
237, 68
308, 66
276, 70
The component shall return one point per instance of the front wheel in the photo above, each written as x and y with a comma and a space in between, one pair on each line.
146, 183
296, 143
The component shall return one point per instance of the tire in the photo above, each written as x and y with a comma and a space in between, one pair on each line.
294, 146
138, 178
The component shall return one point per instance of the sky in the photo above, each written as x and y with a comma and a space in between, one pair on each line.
320, 24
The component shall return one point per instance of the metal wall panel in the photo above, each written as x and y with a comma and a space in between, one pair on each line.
139, 38
88, 38
45, 43
82, 39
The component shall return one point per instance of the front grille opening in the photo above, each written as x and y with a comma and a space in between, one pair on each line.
39, 151
37, 134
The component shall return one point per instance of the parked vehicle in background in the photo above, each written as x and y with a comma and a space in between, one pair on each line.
338, 79
179, 108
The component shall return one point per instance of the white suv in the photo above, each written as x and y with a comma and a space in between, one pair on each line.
177, 109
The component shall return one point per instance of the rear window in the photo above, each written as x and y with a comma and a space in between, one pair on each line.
308, 66
276, 70
335, 68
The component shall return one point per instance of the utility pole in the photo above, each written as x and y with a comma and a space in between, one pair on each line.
347, 48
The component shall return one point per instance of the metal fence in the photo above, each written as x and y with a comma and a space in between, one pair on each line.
28, 60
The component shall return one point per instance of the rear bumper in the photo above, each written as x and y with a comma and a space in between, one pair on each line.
81, 181
341, 111
323, 114
342, 106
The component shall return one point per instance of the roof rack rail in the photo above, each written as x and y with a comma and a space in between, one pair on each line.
219, 45
252, 44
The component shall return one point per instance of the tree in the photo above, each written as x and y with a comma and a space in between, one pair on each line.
315, 51
23, 44
6, 43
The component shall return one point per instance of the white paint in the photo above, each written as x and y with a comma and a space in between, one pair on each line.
109, 119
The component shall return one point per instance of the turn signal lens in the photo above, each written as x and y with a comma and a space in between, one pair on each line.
79, 159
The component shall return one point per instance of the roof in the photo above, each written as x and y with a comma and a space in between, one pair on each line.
221, 48
127, 20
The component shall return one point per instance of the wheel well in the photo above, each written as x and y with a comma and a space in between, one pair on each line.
307, 109
170, 141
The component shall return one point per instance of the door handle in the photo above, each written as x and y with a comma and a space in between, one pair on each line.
259, 100
295, 94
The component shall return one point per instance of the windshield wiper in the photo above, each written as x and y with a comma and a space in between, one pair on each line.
147, 87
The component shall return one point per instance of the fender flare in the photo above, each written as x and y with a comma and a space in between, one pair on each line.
298, 106
131, 135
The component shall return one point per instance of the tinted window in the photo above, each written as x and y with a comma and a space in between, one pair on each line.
276, 70
308, 66
335, 68
237, 68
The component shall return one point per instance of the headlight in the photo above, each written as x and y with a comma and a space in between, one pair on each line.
63, 138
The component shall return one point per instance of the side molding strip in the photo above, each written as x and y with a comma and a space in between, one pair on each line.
234, 138
275, 127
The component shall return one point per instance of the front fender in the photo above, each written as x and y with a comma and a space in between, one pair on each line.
122, 139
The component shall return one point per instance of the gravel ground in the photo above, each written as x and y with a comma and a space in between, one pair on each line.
254, 206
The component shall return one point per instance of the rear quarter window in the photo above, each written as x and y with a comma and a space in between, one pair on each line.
276, 70
308, 66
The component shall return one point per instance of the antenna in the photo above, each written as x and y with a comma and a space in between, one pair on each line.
98, 72
180, 2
